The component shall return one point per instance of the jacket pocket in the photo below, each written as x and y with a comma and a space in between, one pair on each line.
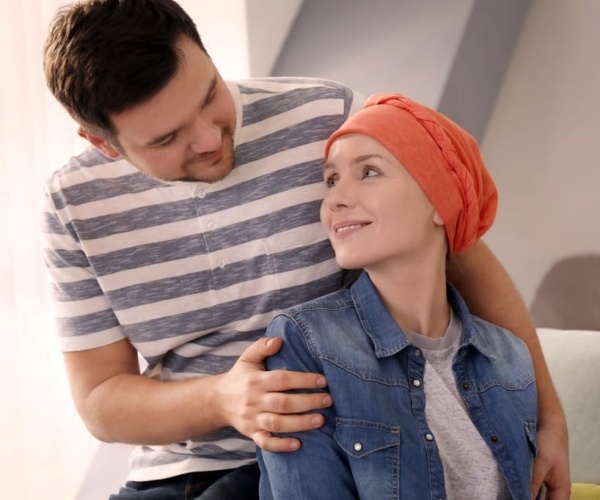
360, 438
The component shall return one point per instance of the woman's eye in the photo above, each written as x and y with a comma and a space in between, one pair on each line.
330, 182
370, 172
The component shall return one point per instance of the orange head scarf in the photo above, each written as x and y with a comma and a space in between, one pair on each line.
442, 157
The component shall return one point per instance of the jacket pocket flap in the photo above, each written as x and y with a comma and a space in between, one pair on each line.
359, 438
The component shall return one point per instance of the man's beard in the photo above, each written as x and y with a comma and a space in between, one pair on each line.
210, 174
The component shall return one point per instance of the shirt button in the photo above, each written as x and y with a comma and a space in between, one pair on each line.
417, 383
221, 263
465, 386
429, 437
201, 194
357, 446
211, 226
495, 439
417, 352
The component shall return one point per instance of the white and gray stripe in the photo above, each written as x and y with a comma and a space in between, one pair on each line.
191, 273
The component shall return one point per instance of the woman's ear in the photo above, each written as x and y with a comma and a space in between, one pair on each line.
437, 219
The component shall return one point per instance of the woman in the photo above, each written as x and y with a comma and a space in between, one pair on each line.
429, 401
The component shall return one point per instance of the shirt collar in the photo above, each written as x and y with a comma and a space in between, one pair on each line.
388, 338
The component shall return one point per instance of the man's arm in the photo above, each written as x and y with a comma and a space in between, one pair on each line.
118, 404
491, 294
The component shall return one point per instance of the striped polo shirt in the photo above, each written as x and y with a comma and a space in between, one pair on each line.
189, 272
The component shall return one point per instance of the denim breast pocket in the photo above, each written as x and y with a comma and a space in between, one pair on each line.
373, 452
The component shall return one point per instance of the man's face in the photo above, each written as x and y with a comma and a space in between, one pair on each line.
185, 132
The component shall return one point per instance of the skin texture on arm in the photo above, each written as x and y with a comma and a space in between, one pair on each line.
491, 295
118, 404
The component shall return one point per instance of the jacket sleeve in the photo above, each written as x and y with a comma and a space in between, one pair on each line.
319, 470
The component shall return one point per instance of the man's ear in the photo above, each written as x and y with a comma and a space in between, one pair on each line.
437, 219
99, 143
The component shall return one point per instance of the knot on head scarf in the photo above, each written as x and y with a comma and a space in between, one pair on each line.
442, 157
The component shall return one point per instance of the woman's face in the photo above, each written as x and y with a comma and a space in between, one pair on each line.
374, 212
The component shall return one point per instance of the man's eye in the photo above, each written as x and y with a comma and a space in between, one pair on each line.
330, 182
212, 96
167, 141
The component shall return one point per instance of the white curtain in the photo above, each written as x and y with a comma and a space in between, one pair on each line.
45, 449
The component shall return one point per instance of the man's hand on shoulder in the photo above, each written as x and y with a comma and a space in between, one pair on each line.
256, 402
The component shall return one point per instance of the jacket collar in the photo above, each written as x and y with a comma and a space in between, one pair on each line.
388, 338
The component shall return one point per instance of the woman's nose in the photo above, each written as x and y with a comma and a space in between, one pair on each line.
338, 196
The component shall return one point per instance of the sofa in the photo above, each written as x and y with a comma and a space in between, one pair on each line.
566, 311
573, 358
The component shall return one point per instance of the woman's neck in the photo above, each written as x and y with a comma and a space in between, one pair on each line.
414, 293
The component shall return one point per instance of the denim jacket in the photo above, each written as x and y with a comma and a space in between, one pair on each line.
375, 443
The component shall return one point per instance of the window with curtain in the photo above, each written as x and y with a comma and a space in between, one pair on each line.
45, 446
46, 450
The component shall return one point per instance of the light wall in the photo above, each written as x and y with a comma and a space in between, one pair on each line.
538, 139
405, 46
541, 142
243, 37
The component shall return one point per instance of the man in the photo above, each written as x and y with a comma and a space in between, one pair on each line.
191, 221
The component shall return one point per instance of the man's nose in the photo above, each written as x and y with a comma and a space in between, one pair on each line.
206, 136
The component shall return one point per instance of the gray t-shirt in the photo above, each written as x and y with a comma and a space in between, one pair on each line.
470, 470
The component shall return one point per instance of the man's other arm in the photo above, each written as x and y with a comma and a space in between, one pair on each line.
491, 295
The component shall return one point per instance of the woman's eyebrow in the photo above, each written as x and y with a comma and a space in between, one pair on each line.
356, 161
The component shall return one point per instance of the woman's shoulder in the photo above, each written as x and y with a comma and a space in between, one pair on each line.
339, 300
500, 341
317, 318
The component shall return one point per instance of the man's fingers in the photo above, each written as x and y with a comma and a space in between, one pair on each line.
258, 351
551, 466
284, 424
542, 480
274, 422
296, 403
265, 441
277, 380
537, 478
283, 380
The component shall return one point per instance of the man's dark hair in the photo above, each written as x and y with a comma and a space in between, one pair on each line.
105, 56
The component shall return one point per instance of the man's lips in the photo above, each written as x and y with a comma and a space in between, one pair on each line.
206, 159
213, 157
